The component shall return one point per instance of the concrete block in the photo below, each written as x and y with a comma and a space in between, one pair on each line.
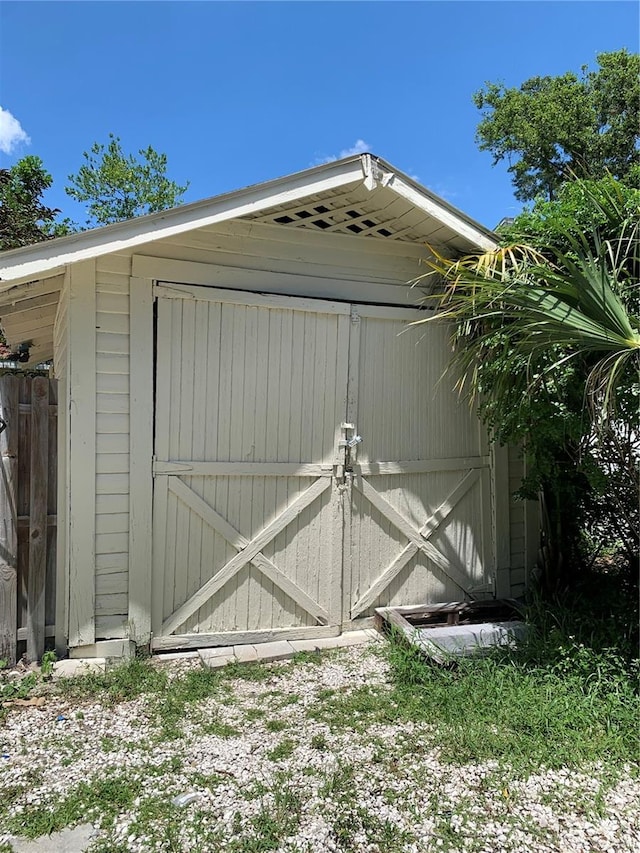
71, 668
279, 650
215, 652
105, 649
219, 661
356, 638
171, 656
245, 654
70, 840
459, 640
316, 645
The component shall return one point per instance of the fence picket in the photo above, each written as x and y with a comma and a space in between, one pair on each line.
28, 467
38, 495
9, 407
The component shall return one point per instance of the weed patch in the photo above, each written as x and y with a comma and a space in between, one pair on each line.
552, 701
358, 709
107, 796
219, 729
127, 681
351, 823
278, 818
284, 749
276, 725
171, 708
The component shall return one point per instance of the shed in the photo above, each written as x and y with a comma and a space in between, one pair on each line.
251, 443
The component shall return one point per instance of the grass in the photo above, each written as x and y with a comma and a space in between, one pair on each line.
122, 683
564, 700
351, 823
283, 750
319, 742
565, 697
110, 795
24, 688
276, 725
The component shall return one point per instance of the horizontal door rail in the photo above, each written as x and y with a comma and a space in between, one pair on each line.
243, 469
420, 466
311, 469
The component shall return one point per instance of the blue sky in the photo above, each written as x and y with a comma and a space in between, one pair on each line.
237, 93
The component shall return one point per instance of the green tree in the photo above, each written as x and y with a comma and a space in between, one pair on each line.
551, 128
24, 218
548, 340
116, 186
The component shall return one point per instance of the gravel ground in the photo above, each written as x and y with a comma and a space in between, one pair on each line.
262, 772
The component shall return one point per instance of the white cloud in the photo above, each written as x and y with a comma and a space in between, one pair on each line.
11, 132
358, 147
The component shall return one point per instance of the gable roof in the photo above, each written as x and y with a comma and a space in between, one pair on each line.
433, 218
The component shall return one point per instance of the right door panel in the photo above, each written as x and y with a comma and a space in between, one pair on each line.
419, 526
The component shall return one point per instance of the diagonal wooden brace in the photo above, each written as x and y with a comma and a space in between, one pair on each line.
248, 552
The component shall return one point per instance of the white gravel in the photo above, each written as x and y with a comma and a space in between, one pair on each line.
357, 791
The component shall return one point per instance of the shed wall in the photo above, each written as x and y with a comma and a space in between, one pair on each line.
326, 265
524, 527
239, 245
112, 445
61, 373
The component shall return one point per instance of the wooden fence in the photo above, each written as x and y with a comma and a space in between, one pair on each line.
28, 489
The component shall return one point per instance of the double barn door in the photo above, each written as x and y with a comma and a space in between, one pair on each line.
271, 519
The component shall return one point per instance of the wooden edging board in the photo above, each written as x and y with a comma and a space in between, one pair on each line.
396, 618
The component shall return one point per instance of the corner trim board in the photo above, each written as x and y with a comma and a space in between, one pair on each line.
82, 462
140, 456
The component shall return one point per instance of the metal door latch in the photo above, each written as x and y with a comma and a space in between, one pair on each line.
347, 445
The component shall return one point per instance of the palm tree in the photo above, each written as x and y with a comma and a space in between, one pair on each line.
535, 324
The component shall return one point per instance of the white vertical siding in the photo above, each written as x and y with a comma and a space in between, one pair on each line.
82, 438
112, 445
61, 373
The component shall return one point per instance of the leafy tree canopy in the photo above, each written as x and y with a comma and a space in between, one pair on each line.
552, 128
116, 186
24, 218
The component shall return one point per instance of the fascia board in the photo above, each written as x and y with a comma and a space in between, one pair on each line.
435, 207
32, 261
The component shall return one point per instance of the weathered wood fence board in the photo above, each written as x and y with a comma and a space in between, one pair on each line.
28, 445
9, 520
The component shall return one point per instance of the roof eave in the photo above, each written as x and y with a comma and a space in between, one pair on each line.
29, 262
47, 258
477, 235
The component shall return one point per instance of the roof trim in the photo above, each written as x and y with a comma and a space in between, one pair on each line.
30, 262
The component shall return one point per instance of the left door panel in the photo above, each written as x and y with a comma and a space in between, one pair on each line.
251, 392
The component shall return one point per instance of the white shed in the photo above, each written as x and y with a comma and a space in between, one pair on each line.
217, 365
